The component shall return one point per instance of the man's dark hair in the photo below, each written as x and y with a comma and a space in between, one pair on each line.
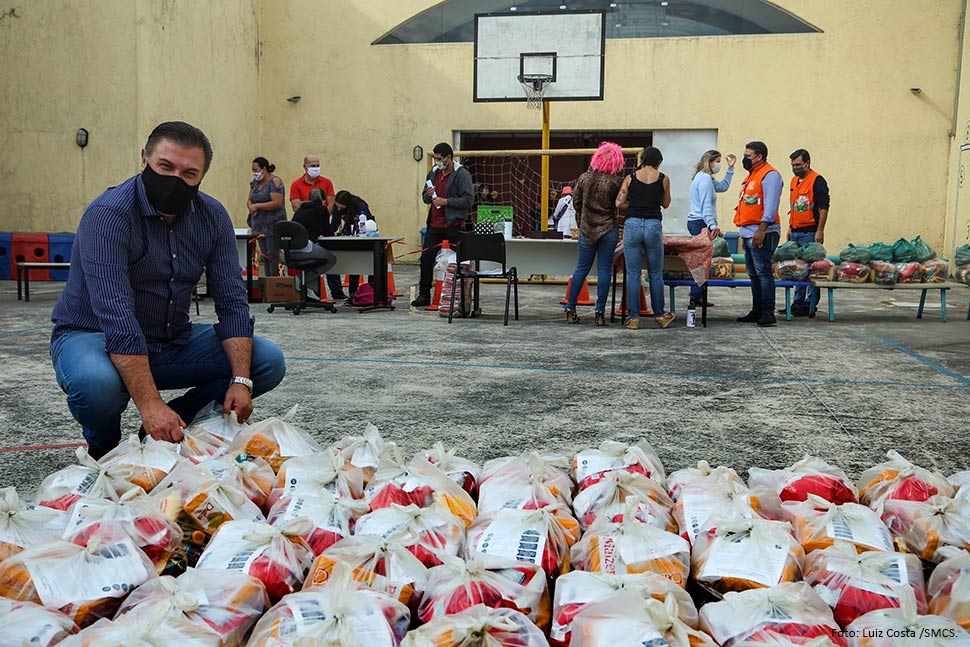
443, 149
183, 134
758, 148
651, 156
801, 152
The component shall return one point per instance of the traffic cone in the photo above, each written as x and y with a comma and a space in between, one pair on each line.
322, 291
390, 281
360, 281
436, 301
622, 311
583, 299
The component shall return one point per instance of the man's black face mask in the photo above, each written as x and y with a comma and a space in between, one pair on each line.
169, 194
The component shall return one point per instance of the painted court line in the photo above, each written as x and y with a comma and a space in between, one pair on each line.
29, 448
706, 376
927, 361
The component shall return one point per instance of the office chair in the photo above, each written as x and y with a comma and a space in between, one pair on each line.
290, 237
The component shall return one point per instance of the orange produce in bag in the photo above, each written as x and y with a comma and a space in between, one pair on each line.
149, 460
788, 611
85, 583
88, 478
478, 626
720, 493
590, 465
253, 477
277, 557
632, 547
904, 627
26, 623
948, 588
677, 481
496, 582
818, 524
629, 619
542, 537
746, 554
226, 606
326, 470
23, 525
429, 533
421, 483
368, 452
925, 527
274, 440
606, 500
578, 589
332, 518
460, 470
526, 482
854, 584
899, 479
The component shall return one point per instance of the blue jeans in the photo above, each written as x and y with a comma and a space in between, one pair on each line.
96, 395
801, 292
695, 227
603, 250
757, 260
644, 237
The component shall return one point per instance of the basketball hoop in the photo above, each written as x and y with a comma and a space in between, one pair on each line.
535, 86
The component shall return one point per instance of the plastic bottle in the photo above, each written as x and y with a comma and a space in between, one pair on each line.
361, 225
691, 316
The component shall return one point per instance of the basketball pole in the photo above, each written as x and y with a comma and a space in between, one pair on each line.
544, 201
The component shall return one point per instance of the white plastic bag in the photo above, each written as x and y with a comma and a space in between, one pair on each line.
253, 477
948, 588
899, 479
26, 623
811, 475
369, 451
429, 533
606, 500
589, 465
478, 626
64, 487
818, 524
462, 471
327, 470
274, 440
629, 619
925, 527
904, 627
149, 460
544, 472
332, 518
719, 493
676, 481
23, 525
421, 483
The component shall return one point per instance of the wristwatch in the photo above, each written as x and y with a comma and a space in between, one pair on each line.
245, 381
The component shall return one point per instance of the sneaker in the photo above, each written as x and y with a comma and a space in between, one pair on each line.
752, 317
599, 319
422, 301
767, 319
311, 295
632, 324
796, 311
665, 320
572, 317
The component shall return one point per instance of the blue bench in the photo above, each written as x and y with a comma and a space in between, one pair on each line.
831, 286
739, 283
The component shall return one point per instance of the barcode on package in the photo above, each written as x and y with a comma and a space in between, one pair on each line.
839, 529
239, 561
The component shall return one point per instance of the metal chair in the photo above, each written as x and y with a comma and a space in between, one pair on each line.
290, 237
484, 247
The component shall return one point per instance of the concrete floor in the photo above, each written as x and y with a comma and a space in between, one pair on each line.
874, 380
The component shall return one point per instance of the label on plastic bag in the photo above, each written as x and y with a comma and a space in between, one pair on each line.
726, 623
593, 462
111, 572
229, 551
310, 508
305, 612
740, 558
75, 479
78, 520
623, 631
869, 535
894, 569
380, 525
513, 537
301, 477
697, 510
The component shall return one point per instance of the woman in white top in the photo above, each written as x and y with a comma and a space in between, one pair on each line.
703, 201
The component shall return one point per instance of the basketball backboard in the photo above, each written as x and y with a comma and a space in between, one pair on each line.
567, 46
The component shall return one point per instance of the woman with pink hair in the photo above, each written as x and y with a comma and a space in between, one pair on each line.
643, 193
594, 198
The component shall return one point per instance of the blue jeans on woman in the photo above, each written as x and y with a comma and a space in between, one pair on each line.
603, 250
96, 395
695, 227
644, 237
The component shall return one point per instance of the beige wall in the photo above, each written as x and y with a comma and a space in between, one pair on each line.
117, 68
957, 227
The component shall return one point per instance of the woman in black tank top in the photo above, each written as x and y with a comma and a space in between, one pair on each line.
643, 194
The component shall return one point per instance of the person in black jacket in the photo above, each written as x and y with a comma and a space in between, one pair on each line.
315, 218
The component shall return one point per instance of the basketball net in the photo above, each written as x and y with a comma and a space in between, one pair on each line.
535, 86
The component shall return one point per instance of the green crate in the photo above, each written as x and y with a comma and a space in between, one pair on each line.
494, 214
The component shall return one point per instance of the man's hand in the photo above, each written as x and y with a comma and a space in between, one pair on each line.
731, 159
759, 238
819, 236
716, 232
440, 202
161, 423
429, 191
239, 400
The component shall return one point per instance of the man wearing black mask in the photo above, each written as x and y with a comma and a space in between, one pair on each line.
121, 326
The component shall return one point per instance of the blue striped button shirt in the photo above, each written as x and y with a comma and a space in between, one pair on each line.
132, 274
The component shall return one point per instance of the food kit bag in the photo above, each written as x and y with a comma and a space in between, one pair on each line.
88, 478
819, 524
277, 557
591, 465
606, 499
883, 272
948, 588
746, 554
853, 584
210, 434
935, 271
924, 527
521, 484
923, 251
793, 270
849, 272
496, 582
719, 248
368, 451
897, 478
904, 627
326, 470
478, 626
791, 610
678, 480
460, 470
429, 533
880, 252
253, 477
148, 460
26, 623
813, 252
84, 582
787, 251
811, 475
420, 483
903, 251
720, 493
331, 518
542, 537
629, 619
823, 270
857, 255
909, 273
578, 589
274, 440
23, 525
722, 268
157, 631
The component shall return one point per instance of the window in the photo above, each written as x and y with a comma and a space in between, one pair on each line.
453, 21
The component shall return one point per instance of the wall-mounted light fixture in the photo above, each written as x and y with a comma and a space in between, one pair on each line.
418, 153
294, 99
915, 90
81, 137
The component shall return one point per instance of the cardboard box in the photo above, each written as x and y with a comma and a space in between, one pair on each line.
278, 288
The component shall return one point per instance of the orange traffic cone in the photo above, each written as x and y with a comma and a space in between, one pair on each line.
360, 281
622, 311
322, 291
583, 299
436, 301
390, 281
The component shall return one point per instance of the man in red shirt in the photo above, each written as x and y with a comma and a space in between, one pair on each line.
311, 179
450, 196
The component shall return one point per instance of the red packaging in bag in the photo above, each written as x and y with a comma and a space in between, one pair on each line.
526, 482
419, 483
948, 588
429, 533
460, 470
589, 466
811, 475
899, 479
904, 627
606, 499
332, 518
64, 487
925, 527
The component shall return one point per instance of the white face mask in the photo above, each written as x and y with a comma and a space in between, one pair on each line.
715, 167
258, 175
313, 171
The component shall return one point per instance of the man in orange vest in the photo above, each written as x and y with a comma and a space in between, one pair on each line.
809, 200
760, 227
